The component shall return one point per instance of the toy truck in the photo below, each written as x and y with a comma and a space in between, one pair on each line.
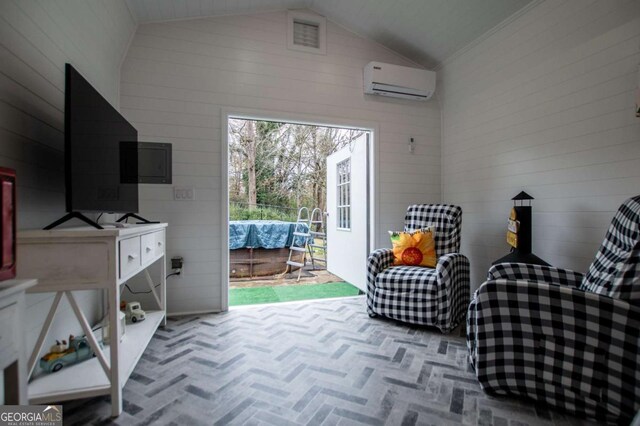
134, 312
77, 351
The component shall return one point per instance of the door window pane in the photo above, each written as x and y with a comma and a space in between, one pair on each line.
344, 194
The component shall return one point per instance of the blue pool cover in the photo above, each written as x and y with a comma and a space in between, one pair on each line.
262, 234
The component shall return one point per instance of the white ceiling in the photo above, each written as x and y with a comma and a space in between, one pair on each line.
426, 31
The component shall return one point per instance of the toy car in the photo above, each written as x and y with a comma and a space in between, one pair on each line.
78, 350
134, 312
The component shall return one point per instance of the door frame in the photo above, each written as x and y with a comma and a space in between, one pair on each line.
294, 118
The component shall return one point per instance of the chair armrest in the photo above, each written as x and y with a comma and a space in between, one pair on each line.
581, 344
378, 261
454, 277
452, 264
524, 271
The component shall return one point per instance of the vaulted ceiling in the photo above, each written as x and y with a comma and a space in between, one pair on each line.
426, 31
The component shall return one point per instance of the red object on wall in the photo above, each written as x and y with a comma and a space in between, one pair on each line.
8, 229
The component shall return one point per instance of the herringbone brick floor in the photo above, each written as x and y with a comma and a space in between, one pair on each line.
312, 363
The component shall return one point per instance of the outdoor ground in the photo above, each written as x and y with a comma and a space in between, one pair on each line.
308, 276
313, 284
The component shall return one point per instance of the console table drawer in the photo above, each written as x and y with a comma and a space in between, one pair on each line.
160, 236
129, 256
152, 246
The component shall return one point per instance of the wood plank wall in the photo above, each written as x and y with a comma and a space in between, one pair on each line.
545, 104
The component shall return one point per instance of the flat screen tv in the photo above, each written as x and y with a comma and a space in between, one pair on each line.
94, 131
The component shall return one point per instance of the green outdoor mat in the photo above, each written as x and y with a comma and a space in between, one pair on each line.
286, 293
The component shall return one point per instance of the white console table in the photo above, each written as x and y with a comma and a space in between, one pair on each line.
64, 260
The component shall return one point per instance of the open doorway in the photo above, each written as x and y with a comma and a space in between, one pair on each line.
298, 210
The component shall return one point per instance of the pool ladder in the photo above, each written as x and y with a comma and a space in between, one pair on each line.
300, 230
309, 228
318, 232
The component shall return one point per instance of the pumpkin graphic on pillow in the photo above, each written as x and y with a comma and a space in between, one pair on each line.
414, 248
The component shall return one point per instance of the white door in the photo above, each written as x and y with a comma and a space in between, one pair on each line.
347, 208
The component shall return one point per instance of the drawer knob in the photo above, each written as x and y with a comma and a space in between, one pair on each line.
148, 249
159, 243
132, 257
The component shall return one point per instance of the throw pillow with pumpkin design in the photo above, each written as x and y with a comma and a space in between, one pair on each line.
416, 248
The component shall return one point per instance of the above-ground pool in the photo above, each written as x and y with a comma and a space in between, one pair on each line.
261, 247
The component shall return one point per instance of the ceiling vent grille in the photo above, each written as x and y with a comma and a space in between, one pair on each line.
307, 32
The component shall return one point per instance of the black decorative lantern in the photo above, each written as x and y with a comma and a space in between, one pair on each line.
519, 233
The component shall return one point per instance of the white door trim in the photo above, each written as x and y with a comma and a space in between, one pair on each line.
297, 118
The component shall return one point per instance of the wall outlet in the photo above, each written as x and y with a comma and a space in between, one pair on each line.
177, 262
176, 265
184, 193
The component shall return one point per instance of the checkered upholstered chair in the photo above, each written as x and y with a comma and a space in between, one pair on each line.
559, 337
437, 297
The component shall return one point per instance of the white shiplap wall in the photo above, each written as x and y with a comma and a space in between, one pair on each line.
544, 104
427, 31
38, 38
177, 78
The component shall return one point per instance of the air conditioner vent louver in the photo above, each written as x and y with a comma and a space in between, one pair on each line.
306, 34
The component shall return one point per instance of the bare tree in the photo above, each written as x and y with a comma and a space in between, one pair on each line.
247, 143
283, 161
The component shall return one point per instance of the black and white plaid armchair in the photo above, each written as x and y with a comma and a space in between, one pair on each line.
437, 297
557, 336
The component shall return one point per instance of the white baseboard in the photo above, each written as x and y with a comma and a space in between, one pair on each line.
185, 313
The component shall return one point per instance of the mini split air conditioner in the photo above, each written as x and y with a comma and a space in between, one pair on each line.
398, 81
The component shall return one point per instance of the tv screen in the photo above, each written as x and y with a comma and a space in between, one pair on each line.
93, 133
145, 162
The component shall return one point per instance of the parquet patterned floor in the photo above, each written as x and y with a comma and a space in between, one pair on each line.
306, 363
